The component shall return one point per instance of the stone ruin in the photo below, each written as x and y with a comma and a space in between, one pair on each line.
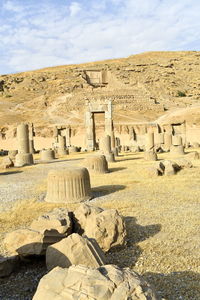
68, 185
96, 164
23, 157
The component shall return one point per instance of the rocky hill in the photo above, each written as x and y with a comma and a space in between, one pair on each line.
142, 88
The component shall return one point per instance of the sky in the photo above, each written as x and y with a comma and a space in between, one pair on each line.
42, 33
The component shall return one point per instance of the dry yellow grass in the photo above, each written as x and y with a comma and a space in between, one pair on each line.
162, 216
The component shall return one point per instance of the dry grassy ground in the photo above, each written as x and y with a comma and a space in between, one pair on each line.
162, 216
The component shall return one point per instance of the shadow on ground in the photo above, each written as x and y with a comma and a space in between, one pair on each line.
133, 158
10, 173
128, 255
56, 160
116, 169
104, 190
176, 285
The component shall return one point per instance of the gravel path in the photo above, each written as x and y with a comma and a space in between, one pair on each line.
18, 185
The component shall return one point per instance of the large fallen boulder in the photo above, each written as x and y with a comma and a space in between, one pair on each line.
74, 250
150, 155
25, 242
105, 226
57, 221
168, 167
46, 230
104, 283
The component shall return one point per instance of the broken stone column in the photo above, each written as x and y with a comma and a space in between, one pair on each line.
47, 155
74, 250
177, 140
61, 145
55, 135
149, 141
23, 138
167, 141
158, 139
108, 119
68, 185
112, 140
96, 164
177, 150
150, 155
105, 147
105, 144
31, 140
23, 157
90, 136
68, 136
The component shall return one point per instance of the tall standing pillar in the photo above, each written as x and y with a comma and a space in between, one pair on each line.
108, 119
24, 157
62, 145
23, 138
31, 140
68, 136
90, 137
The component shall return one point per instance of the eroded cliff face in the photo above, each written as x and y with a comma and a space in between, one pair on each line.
142, 87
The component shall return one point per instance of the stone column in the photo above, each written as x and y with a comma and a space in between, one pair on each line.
112, 140
90, 138
23, 138
31, 140
68, 136
62, 145
177, 140
149, 145
108, 119
105, 144
55, 134
167, 141
23, 157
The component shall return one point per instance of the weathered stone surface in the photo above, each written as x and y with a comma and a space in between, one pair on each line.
47, 154
104, 283
74, 250
177, 150
150, 155
105, 226
68, 185
25, 242
82, 214
177, 140
45, 231
58, 222
8, 265
96, 164
6, 163
23, 159
168, 167
183, 163
110, 157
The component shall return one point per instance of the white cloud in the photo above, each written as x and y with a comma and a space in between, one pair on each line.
48, 35
74, 8
12, 6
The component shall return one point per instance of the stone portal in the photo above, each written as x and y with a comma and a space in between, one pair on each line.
91, 109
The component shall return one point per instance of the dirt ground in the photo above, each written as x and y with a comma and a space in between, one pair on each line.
162, 216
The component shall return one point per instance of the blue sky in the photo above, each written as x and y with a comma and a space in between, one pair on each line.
37, 34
